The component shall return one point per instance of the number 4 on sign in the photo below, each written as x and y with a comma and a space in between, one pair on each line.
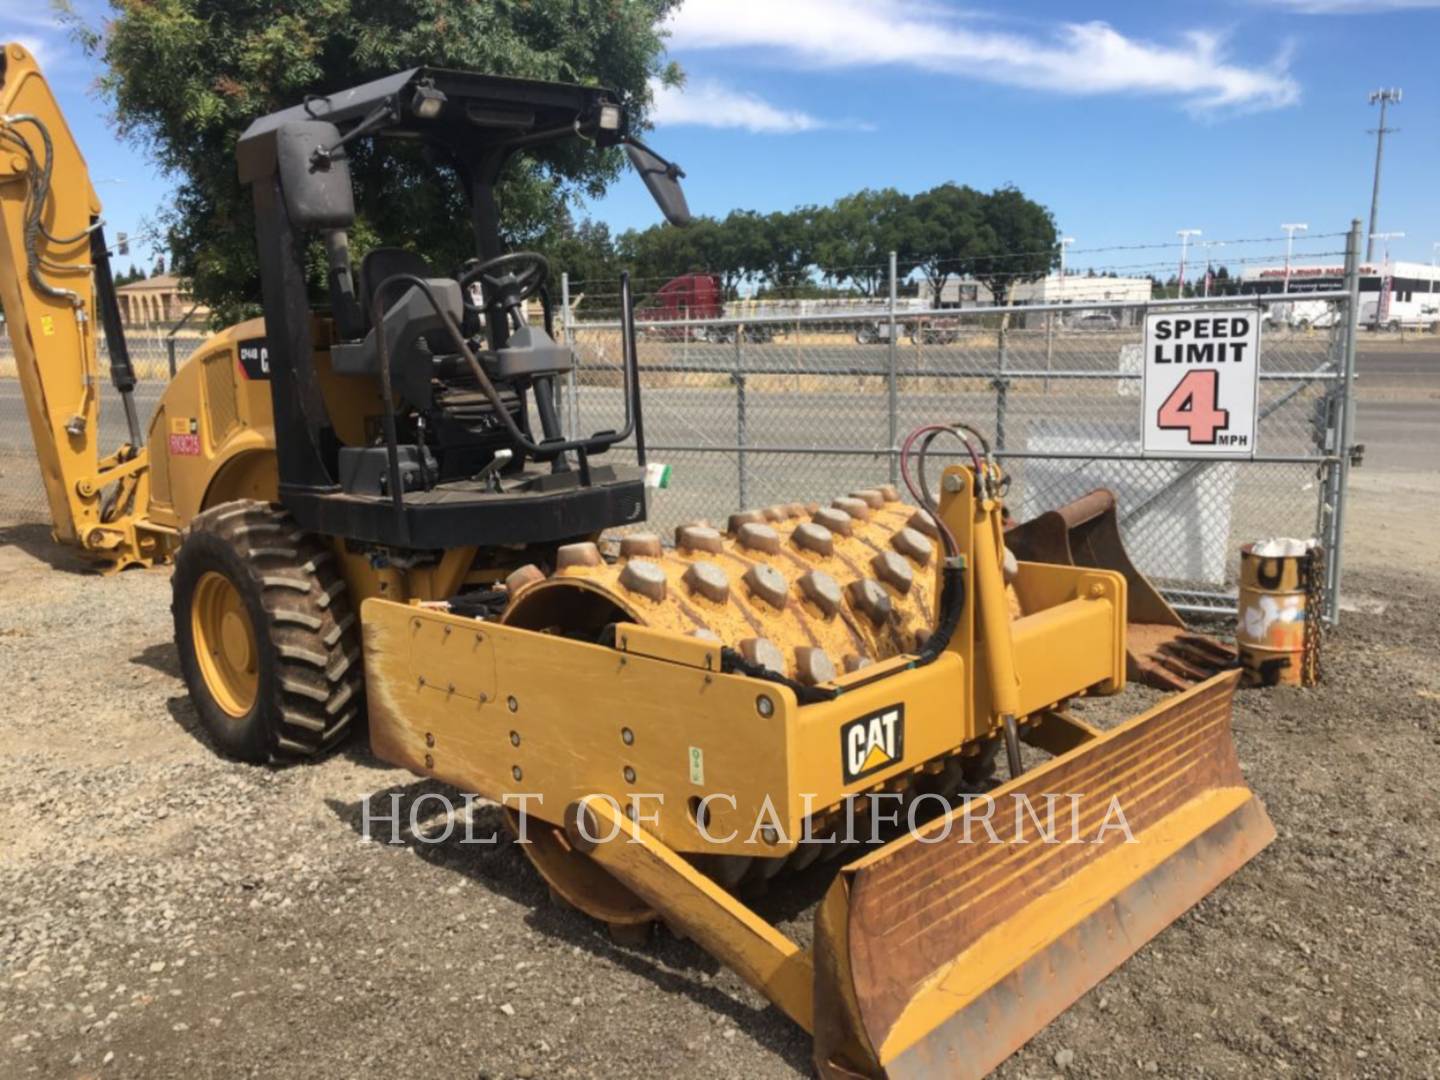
1194, 407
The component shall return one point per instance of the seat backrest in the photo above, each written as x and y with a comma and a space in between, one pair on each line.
384, 262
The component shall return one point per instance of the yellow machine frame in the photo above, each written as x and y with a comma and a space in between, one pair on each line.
478, 705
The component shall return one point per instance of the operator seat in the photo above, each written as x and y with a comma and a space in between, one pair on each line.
384, 262
414, 333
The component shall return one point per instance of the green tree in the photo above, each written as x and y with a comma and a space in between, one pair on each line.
656, 254
1018, 242
741, 250
788, 249
585, 251
946, 231
736, 248
185, 77
857, 233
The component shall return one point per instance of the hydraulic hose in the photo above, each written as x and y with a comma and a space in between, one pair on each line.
952, 605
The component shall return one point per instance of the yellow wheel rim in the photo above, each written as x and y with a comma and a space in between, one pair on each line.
224, 643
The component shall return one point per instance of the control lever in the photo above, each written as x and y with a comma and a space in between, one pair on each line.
490, 474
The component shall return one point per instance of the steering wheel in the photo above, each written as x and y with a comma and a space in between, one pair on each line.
506, 280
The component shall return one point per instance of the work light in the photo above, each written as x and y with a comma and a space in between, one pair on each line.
427, 102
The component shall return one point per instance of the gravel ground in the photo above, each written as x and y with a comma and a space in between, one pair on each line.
168, 913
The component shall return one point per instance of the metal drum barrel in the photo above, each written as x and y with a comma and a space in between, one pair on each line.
1272, 623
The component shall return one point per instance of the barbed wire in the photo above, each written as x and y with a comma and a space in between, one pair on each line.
880, 268
1162, 273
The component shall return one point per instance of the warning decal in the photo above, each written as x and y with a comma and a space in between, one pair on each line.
184, 436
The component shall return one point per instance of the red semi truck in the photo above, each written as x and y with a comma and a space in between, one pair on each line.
691, 296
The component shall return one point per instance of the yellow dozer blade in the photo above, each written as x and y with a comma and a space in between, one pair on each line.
936, 957
1163, 651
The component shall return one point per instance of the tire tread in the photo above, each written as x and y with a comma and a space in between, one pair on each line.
318, 685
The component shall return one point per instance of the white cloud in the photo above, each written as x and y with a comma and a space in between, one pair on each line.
42, 36
1351, 7
1075, 58
34, 20
707, 103
37, 48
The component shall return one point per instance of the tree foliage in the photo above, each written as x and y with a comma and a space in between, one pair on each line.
185, 77
858, 232
948, 231
1000, 238
1018, 242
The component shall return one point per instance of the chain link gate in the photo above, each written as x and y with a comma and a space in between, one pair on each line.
750, 411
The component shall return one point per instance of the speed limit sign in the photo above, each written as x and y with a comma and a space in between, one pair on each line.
1201, 376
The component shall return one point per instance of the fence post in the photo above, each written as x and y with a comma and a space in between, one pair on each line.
740, 432
1000, 383
892, 380
170, 337
1049, 347
567, 333
1336, 542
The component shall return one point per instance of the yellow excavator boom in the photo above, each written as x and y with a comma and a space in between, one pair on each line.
55, 288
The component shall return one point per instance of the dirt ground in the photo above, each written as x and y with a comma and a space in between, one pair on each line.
167, 913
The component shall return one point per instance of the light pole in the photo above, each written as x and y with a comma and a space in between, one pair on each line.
1387, 237
1207, 245
1184, 235
1065, 242
1290, 231
1384, 97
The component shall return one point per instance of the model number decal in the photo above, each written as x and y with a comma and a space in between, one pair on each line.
255, 358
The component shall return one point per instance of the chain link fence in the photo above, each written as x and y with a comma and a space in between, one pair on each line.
781, 401
774, 408
22, 495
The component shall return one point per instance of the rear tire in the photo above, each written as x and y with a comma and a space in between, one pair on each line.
269, 644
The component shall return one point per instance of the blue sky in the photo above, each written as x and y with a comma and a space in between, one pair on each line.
1129, 120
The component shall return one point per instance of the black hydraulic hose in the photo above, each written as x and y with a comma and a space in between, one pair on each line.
632, 363
733, 662
952, 605
36, 196
546, 311
453, 328
387, 396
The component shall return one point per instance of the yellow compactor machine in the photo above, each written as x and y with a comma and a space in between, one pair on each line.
374, 518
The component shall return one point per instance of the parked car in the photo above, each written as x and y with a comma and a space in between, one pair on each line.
1095, 320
